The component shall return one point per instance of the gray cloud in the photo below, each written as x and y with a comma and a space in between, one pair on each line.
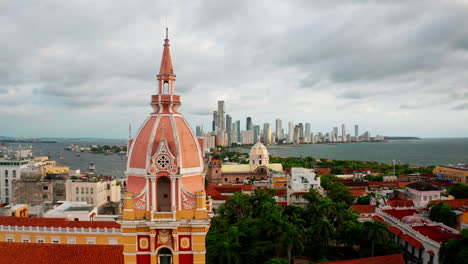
299, 60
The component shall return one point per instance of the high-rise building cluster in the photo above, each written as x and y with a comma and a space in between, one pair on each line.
227, 132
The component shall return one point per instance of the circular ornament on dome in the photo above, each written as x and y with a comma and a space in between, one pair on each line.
163, 162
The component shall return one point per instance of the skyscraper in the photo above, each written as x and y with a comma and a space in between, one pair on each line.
334, 135
267, 133
229, 128
307, 133
221, 121
249, 125
291, 132
256, 130
238, 131
279, 129
301, 133
356, 132
215, 121
198, 132
234, 133
343, 133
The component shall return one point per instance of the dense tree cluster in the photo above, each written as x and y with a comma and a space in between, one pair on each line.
108, 149
459, 191
338, 166
255, 229
455, 250
442, 213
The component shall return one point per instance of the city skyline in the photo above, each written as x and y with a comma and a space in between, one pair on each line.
381, 65
229, 131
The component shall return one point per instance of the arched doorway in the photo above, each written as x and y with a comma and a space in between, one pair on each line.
164, 194
164, 256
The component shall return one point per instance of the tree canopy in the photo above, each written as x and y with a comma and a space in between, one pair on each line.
442, 212
255, 229
455, 250
459, 191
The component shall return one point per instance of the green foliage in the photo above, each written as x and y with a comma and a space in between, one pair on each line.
455, 250
325, 181
339, 193
233, 155
277, 261
338, 166
459, 191
373, 178
442, 212
254, 229
364, 200
290, 162
108, 149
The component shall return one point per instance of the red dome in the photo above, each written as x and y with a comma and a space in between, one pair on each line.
165, 147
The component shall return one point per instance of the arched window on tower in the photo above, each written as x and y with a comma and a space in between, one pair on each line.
166, 87
164, 194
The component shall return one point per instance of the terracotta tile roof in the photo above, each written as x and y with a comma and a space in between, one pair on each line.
358, 192
395, 230
378, 218
412, 241
390, 259
440, 183
436, 233
55, 222
351, 183
399, 214
363, 209
456, 203
400, 203
25, 253
403, 184
423, 186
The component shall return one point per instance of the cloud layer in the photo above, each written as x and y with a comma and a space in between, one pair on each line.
87, 68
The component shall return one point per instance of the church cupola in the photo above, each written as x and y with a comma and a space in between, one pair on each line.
165, 101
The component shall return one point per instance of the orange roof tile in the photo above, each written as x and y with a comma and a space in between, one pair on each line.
403, 184
395, 230
456, 203
363, 209
390, 259
25, 253
358, 192
55, 222
413, 241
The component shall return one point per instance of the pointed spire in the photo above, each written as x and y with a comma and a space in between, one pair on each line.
166, 61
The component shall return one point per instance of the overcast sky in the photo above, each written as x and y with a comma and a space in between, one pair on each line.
87, 68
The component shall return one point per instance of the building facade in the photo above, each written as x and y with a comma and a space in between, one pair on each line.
10, 170
456, 173
95, 192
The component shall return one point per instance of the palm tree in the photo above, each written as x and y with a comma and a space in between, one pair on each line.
376, 232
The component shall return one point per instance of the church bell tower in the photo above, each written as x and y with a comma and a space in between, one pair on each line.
165, 217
